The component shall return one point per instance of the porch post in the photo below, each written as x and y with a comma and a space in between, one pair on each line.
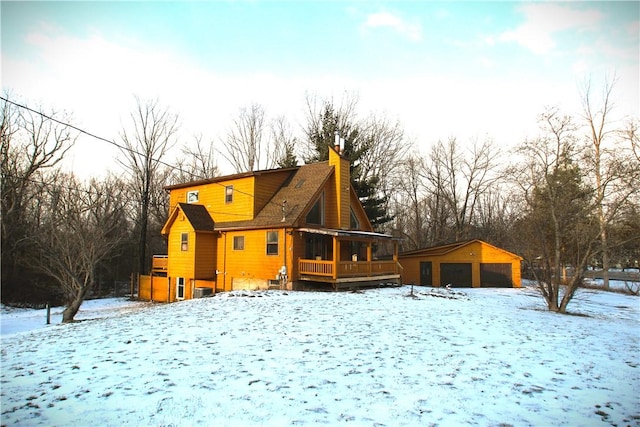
336, 256
395, 256
369, 257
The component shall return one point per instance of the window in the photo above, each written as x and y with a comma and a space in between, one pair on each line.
355, 224
316, 214
193, 196
272, 243
184, 242
238, 243
228, 194
179, 287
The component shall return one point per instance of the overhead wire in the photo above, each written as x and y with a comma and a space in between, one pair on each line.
121, 147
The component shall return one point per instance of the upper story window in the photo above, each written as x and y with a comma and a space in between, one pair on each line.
316, 214
272, 243
238, 243
193, 196
355, 224
228, 194
184, 242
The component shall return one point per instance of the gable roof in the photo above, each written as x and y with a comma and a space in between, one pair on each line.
197, 216
299, 191
445, 249
219, 179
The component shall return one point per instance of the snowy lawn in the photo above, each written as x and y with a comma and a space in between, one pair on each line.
374, 358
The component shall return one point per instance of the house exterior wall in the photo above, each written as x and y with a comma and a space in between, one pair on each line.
475, 253
180, 263
250, 268
205, 256
212, 196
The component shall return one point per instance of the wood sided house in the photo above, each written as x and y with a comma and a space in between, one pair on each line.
290, 228
472, 263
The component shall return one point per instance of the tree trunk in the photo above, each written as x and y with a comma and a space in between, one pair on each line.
605, 255
72, 309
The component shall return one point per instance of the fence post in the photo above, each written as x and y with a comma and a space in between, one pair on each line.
48, 314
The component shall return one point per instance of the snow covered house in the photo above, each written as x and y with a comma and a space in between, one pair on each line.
288, 228
472, 263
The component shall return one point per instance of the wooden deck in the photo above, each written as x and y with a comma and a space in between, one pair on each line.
348, 273
159, 264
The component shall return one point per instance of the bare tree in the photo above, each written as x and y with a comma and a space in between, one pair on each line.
284, 143
80, 228
631, 134
612, 165
410, 206
597, 122
152, 133
197, 162
557, 227
458, 179
245, 144
30, 142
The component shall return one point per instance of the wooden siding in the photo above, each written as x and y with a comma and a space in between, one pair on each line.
342, 185
330, 204
212, 196
358, 210
181, 263
205, 256
474, 253
252, 263
160, 292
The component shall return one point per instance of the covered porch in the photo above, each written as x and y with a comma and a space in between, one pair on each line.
346, 259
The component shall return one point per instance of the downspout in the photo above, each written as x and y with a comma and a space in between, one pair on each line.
285, 254
224, 263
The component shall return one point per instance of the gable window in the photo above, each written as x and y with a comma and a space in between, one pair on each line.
238, 243
184, 242
193, 196
272, 243
316, 214
228, 194
355, 224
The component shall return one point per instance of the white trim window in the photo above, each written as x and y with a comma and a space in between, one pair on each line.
272, 242
193, 196
238, 243
179, 288
228, 194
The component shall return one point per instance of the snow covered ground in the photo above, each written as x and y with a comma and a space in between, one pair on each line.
374, 358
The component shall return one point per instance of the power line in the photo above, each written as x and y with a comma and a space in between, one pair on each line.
121, 147
69, 125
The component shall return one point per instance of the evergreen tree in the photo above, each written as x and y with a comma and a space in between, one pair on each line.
321, 133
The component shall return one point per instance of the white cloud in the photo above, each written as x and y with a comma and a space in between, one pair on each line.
543, 21
388, 20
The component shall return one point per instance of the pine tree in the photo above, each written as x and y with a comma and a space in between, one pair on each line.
322, 134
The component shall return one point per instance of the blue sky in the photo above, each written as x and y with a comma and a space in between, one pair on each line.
464, 69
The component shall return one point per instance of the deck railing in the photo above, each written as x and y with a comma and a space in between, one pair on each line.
159, 263
347, 268
315, 268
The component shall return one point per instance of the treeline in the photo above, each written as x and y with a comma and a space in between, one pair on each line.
569, 196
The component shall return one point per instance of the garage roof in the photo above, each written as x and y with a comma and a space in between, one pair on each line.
445, 249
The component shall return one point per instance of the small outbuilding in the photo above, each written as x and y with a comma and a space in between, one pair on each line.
470, 264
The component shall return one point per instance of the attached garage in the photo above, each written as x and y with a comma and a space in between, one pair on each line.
473, 263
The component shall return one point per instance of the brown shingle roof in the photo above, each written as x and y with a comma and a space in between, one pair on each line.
198, 216
300, 190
